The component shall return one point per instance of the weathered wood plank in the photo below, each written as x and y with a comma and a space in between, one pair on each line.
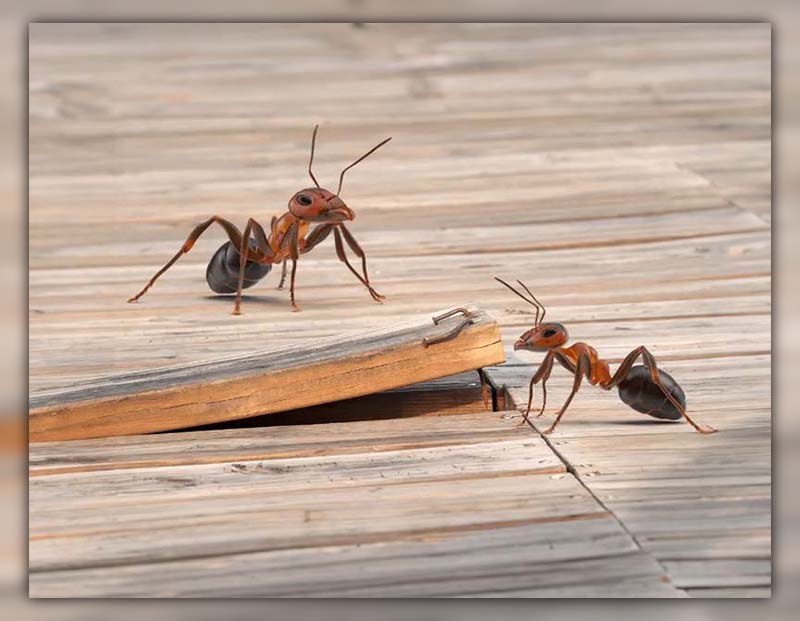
384, 480
162, 329
264, 382
236, 445
490, 511
591, 558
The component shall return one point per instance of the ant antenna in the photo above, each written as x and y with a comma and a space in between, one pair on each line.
534, 302
370, 152
533, 297
311, 161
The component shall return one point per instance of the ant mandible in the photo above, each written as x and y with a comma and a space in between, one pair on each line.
242, 261
645, 388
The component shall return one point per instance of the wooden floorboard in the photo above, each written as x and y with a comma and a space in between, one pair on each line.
623, 171
700, 504
470, 505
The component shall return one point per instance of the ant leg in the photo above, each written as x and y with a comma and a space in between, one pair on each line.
283, 274
264, 254
525, 419
650, 362
318, 235
244, 251
315, 237
624, 368
542, 373
337, 238
233, 234
294, 253
355, 247
545, 377
583, 368
544, 396
484, 389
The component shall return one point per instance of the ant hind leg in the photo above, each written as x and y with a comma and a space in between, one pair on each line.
650, 362
233, 234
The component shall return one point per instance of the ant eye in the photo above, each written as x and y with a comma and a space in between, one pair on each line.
548, 333
304, 199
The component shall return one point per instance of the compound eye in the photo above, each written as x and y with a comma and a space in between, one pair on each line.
548, 333
304, 199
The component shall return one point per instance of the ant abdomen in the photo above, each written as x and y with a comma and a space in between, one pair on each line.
641, 393
222, 273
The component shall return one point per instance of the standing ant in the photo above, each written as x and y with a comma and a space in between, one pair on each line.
645, 388
242, 261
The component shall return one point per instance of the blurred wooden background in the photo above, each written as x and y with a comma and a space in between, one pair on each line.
622, 171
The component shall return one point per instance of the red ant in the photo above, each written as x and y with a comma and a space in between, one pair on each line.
242, 261
645, 388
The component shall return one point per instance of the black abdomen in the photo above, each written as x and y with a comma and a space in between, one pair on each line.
642, 394
222, 273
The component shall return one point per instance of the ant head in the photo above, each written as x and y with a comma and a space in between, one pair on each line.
542, 336
321, 205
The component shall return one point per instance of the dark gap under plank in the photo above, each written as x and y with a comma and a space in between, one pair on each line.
456, 394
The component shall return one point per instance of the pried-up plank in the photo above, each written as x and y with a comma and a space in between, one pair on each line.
265, 382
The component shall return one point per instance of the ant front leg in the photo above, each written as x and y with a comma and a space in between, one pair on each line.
294, 253
233, 234
318, 235
542, 373
650, 363
582, 368
314, 238
351, 241
485, 390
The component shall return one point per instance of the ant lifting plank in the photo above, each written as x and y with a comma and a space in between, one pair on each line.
249, 256
645, 388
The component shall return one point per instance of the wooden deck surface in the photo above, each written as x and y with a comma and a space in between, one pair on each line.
622, 171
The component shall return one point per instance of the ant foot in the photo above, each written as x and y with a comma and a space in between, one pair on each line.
133, 300
549, 430
706, 429
236, 311
296, 308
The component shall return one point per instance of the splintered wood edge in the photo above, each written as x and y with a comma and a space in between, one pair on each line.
264, 383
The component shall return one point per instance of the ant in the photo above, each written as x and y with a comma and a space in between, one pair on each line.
242, 261
645, 388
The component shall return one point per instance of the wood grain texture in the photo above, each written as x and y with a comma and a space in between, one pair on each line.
264, 382
468, 505
621, 170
